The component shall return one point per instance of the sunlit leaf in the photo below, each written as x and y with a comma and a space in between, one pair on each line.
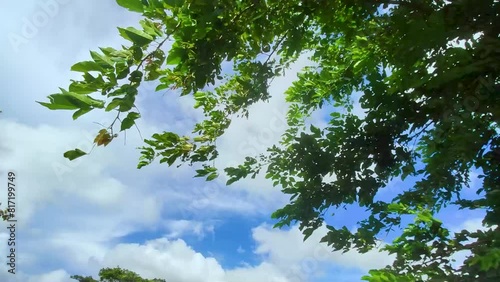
136, 36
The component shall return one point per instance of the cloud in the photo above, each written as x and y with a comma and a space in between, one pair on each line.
180, 228
240, 250
311, 255
471, 224
171, 260
78, 208
176, 261
53, 276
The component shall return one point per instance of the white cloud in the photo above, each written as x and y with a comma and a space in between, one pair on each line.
59, 275
78, 211
240, 250
175, 261
263, 272
171, 260
472, 225
179, 228
276, 245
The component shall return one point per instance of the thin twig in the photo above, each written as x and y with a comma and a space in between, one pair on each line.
139, 66
99, 124
421, 131
91, 149
113, 123
135, 124
275, 48
137, 110
242, 12
157, 47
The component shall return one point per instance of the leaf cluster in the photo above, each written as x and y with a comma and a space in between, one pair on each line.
431, 112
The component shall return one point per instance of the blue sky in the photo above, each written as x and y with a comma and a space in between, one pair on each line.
100, 211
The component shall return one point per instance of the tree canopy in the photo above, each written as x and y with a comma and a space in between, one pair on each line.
116, 274
428, 75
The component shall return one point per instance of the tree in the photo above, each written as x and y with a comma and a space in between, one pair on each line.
116, 274
432, 112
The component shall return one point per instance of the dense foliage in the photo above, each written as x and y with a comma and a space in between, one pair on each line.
428, 71
116, 274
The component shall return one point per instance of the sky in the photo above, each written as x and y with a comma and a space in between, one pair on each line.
101, 211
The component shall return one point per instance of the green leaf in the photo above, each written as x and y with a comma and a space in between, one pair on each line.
74, 154
122, 70
231, 181
137, 53
366, 278
424, 216
129, 121
173, 3
81, 112
171, 160
127, 103
102, 60
108, 51
307, 233
132, 5
71, 101
83, 88
138, 37
212, 176
161, 87
136, 76
150, 28
175, 56
58, 102
315, 130
396, 207
113, 104
86, 66
201, 172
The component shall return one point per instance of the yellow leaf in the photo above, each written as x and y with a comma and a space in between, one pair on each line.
103, 138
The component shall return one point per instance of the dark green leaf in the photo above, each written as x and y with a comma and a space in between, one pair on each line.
74, 154
129, 121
